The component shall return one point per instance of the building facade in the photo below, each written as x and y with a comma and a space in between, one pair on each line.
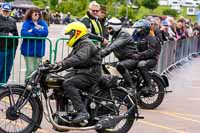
186, 3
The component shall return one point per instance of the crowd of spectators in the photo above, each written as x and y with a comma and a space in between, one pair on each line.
18, 14
167, 28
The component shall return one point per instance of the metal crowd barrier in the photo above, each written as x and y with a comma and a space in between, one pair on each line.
172, 53
61, 51
18, 69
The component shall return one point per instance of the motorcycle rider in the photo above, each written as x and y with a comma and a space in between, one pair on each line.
149, 49
122, 45
86, 61
130, 55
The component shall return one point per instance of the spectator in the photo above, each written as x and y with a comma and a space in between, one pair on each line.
52, 18
46, 15
196, 29
57, 18
157, 26
171, 28
189, 29
102, 19
67, 19
164, 30
181, 30
8, 45
91, 21
32, 49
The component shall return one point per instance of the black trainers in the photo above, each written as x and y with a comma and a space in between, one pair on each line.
80, 117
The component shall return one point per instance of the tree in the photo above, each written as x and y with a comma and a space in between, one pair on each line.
53, 3
170, 12
40, 3
150, 4
69, 6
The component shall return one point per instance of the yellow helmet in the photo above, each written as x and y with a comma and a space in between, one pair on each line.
75, 30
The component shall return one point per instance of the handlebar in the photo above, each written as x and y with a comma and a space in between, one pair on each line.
46, 67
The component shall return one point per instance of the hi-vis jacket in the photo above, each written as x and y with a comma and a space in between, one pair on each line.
94, 27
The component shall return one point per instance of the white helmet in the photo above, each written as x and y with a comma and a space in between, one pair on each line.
115, 24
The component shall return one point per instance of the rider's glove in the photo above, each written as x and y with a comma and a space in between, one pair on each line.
104, 52
58, 67
46, 62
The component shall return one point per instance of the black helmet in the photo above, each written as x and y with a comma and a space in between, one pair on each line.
142, 27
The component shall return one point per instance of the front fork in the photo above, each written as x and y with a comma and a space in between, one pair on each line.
21, 101
134, 108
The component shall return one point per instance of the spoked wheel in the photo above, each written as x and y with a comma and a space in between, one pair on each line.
154, 97
17, 121
121, 106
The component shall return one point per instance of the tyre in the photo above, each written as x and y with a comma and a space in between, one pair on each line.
24, 120
155, 96
125, 124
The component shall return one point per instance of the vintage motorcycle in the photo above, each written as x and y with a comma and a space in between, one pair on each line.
146, 99
112, 108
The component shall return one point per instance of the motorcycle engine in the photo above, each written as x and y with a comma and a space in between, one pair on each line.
54, 81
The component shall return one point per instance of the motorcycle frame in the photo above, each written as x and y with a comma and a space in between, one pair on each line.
33, 93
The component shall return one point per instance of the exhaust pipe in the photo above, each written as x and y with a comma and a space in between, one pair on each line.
106, 122
110, 121
65, 128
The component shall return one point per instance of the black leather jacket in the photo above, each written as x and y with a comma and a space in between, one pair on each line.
149, 49
8, 24
122, 45
85, 59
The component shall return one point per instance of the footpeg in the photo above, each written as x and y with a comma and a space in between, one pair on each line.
140, 117
168, 91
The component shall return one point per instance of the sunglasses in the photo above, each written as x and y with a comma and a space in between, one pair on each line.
37, 14
94, 10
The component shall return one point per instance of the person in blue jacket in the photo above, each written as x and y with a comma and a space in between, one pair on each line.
33, 49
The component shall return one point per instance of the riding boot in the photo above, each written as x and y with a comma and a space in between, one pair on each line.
76, 99
128, 79
147, 78
126, 75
